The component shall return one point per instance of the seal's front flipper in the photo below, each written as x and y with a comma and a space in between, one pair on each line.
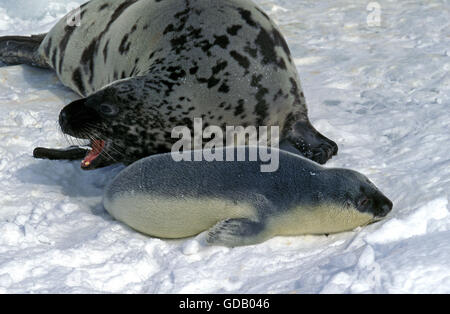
70, 153
237, 232
287, 146
22, 50
313, 145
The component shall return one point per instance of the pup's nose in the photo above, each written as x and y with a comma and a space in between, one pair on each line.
385, 208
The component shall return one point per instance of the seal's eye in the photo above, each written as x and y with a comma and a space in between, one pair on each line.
364, 203
108, 109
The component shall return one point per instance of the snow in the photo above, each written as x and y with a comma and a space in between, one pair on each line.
381, 92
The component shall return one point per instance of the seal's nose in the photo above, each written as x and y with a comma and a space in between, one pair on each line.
384, 207
75, 116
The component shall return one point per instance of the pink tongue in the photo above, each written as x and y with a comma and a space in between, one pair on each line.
97, 147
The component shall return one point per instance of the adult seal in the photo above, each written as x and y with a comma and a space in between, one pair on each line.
144, 67
237, 203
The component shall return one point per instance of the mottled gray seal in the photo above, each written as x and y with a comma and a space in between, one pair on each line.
239, 204
146, 66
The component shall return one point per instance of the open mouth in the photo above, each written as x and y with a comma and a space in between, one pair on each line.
90, 159
93, 157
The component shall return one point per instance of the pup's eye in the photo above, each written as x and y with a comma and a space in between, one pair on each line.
363, 202
108, 109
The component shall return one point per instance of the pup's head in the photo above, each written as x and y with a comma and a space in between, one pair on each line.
356, 191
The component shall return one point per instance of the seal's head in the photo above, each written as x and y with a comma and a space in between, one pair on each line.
118, 126
332, 200
356, 191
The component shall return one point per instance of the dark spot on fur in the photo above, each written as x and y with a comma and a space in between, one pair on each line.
247, 17
222, 41
280, 41
194, 33
47, 48
267, 48
170, 28
104, 6
131, 97
262, 106
90, 52
54, 52
82, 14
224, 88
239, 109
77, 79
120, 9
133, 70
278, 94
87, 59
183, 13
124, 45
178, 43
212, 81
233, 30
176, 73
242, 60
253, 52
193, 70
295, 92
63, 43
220, 66
105, 51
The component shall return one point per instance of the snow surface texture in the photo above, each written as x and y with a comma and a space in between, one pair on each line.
381, 92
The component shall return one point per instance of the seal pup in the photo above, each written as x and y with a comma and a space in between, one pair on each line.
144, 67
237, 203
